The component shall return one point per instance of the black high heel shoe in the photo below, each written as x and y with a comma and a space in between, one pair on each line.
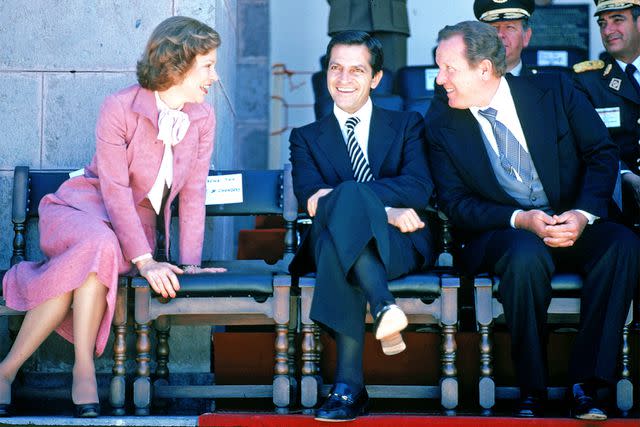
87, 410
5, 410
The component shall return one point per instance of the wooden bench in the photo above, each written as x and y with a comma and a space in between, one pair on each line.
251, 292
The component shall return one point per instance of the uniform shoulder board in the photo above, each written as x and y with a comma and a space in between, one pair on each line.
583, 66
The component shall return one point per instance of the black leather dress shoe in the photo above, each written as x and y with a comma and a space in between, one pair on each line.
5, 410
529, 405
343, 404
584, 406
87, 410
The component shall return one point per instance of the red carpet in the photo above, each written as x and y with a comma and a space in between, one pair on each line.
271, 420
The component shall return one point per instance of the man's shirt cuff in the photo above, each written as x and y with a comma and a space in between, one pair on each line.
590, 217
512, 221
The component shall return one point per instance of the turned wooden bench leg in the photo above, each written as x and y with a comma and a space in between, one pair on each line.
449, 324
281, 383
162, 326
624, 387
142, 383
484, 317
118, 381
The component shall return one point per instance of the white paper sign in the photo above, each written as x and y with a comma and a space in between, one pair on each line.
76, 173
553, 57
610, 116
430, 75
224, 189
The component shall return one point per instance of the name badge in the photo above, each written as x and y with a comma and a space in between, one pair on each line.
610, 116
224, 189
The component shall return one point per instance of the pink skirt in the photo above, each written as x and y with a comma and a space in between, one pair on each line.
75, 244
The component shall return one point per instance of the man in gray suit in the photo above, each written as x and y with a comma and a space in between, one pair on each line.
386, 20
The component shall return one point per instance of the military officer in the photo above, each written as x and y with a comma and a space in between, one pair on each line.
612, 87
511, 19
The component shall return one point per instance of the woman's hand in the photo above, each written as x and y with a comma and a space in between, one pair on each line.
161, 276
194, 269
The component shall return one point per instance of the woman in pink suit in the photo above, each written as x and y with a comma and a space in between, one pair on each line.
154, 142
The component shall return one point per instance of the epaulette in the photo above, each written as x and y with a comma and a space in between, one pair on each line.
583, 66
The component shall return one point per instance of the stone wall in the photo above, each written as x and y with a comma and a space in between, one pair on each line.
60, 59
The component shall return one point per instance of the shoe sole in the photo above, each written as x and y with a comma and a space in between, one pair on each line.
393, 344
392, 322
592, 417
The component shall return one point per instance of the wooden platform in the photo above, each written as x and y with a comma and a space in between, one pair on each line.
399, 420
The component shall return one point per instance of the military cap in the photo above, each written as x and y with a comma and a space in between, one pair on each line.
503, 10
610, 5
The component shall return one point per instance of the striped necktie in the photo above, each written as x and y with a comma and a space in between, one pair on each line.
359, 164
513, 157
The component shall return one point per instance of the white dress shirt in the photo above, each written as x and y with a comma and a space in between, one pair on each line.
517, 70
361, 130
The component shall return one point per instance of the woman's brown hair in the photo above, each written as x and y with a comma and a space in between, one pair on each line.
172, 49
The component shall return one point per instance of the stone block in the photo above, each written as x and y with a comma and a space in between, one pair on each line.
252, 145
204, 11
253, 91
71, 106
253, 27
230, 11
223, 154
227, 53
20, 119
77, 35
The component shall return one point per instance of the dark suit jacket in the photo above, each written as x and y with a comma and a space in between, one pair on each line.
569, 145
397, 157
600, 89
368, 15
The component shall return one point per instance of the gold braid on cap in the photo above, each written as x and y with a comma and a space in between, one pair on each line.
605, 5
506, 13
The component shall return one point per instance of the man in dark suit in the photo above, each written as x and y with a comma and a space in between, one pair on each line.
525, 171
362, 175
612, 86
386, 20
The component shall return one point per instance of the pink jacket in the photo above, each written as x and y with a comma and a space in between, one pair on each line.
128, 155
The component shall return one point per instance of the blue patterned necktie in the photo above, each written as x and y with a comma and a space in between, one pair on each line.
359, 164
513, 157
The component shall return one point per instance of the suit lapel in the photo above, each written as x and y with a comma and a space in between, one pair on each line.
144, 104
381, 137
330, 143
618, 82
467, 147
534, 107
